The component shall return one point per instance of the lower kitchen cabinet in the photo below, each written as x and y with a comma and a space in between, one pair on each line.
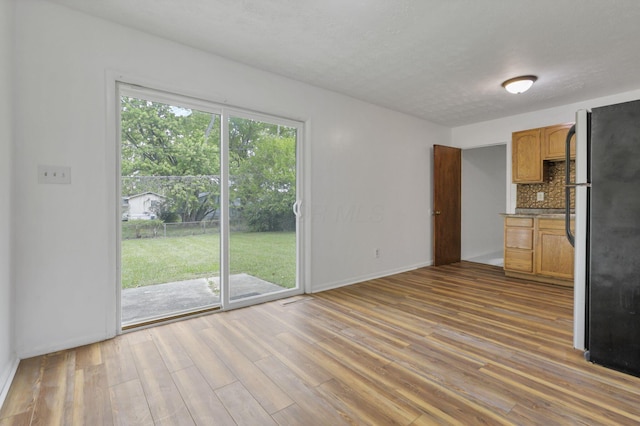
554, 253
518, 244
536, 248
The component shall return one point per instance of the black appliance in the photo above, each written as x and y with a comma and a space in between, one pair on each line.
607, 235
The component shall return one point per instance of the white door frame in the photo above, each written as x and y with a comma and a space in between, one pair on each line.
118, 84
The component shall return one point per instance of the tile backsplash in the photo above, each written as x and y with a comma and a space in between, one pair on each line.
553, 188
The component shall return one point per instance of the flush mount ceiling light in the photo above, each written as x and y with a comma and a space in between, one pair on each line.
519, 84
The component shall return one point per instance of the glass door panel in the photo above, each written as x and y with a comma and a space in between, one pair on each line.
262, 194
170, 191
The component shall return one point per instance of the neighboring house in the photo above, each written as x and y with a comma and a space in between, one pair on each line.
141, 206
124, 208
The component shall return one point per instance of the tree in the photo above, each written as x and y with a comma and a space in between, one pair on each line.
265, 184
245, 133
172, 151
175, 152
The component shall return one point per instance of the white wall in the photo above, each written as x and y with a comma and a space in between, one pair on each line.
369, 169
483, 199
7, 347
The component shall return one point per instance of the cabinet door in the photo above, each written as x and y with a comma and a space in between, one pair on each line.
526, 153
554, 142
554, 254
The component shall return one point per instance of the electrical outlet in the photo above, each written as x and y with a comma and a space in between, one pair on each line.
54, 174
540, 196
377, 253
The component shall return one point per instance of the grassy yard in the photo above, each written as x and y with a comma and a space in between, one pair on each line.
270, 256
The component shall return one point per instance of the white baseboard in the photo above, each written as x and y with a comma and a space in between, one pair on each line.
60, 346
342, 283
495, 258
7, 378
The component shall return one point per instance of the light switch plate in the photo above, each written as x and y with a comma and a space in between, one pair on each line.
540, 196
54, 174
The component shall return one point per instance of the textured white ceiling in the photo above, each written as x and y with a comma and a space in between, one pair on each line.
442, 60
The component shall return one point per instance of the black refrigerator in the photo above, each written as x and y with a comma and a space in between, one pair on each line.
607, 236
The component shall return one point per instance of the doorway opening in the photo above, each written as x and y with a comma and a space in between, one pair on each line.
484, 177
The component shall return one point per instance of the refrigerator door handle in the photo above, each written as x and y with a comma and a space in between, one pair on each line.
568, 186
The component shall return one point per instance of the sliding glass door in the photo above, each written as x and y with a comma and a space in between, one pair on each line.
262, 199
208, 207
170, 218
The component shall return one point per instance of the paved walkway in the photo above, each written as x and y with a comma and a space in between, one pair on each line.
154, 301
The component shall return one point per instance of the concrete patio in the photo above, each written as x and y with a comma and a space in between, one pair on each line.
154, 301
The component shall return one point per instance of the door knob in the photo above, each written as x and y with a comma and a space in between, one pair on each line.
436, 212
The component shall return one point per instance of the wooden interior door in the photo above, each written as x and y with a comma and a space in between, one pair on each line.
447, 191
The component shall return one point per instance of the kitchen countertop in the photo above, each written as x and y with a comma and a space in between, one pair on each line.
547, 213
540, 211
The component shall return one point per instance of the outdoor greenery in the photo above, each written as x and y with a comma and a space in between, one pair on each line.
156, 228
141, 229
175, 152
264, 185
266, 255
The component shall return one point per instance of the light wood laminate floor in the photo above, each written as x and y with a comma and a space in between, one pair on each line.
458, 344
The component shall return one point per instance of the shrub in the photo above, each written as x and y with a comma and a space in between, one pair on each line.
141, 229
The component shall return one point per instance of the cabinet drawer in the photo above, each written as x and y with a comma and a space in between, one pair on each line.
524, 222
552, 223
520, 238
518, 260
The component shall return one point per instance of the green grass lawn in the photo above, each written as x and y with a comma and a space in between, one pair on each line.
270, 256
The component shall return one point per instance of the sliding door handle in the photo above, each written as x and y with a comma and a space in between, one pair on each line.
296, 208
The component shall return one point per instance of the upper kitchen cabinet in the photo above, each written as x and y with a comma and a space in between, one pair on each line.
526, 151
530, 148
554, 142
